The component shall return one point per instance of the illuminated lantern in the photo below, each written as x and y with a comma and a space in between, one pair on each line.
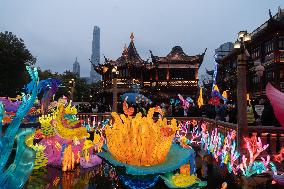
127, 110
68, 159
185, 169
138, 140
224, 185
200, 99
216, 88
248, 99
225, 94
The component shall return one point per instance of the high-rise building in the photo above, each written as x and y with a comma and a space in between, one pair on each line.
95, 59
76, 68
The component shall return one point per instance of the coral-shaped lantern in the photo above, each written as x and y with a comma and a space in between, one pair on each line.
68, 159
140, 140
40, 159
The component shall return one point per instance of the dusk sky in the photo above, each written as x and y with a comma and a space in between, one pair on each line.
57, 31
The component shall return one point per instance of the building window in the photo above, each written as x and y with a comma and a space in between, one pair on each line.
182, 74
282, 86
162, 73
281, 43
281, 56
256, 80
270, 75
281, 75
268, 47
124, 72
255, 53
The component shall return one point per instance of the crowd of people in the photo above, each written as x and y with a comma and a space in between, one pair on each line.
224, 111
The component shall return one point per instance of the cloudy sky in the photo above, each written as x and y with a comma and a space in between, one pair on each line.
57, 31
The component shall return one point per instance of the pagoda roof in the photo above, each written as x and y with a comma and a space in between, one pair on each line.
177, 55
275, 23
129, 56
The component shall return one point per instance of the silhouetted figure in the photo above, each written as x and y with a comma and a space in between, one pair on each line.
210, 111
221, 111
268, 118
233, 113
194, 111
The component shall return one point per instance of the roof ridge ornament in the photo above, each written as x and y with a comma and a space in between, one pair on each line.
125, 50
132, 36
204, 52
125, 47
280, 11
270, 15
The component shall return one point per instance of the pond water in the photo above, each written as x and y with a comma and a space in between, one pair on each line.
105, 176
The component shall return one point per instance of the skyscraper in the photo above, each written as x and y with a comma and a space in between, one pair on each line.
76, 68
95, 59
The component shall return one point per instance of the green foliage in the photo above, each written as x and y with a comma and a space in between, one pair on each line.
47, 74
14, 56
82, 91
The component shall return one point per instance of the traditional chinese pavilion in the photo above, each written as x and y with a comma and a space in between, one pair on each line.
176, 73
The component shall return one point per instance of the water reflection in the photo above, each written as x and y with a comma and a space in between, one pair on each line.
104, 176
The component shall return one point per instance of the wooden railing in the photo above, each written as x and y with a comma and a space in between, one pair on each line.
274, 136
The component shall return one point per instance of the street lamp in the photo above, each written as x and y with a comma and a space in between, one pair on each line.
114, 89
243, 39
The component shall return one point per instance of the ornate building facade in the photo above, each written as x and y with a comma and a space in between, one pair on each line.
163, 77
176, 73
267, 49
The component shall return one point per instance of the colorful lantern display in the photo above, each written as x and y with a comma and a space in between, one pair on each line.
40, 159
16, 174
223, 149
65, 138
183, 179
200, 98
127, 110
140, 140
